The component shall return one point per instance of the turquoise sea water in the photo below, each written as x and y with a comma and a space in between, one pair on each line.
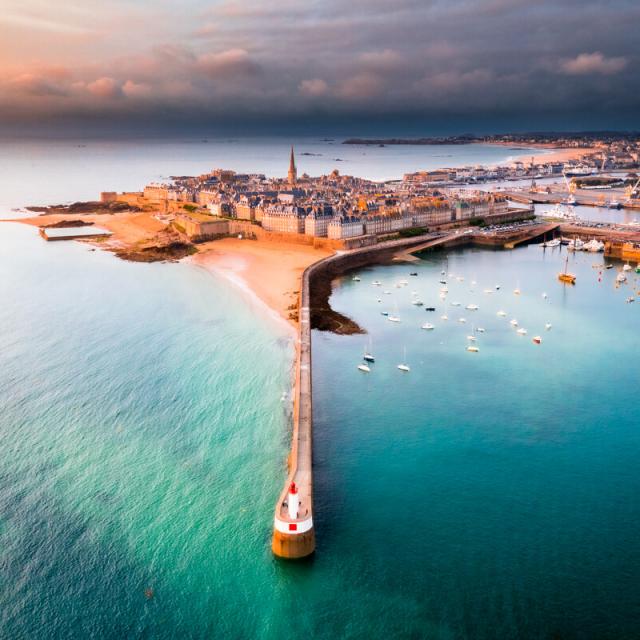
491, 494
143, 434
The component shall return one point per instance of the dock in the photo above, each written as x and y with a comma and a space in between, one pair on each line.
73, 233
583, 197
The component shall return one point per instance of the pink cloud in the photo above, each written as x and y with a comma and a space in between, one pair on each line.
105, 88
386, 60
229, 62
37, 85
588, 63
361, 86
136, 89
313, 88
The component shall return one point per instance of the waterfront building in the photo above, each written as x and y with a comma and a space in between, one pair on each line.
284, 218
344, 226
317, 221
199, 227
156, 192
207, 196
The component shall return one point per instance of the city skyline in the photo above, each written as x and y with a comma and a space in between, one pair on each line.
410, 66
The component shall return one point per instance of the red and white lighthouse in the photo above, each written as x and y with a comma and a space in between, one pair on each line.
293, 501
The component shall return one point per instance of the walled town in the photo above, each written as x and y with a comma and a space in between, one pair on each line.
332, 210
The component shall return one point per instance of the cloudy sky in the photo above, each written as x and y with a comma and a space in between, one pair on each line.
393, 66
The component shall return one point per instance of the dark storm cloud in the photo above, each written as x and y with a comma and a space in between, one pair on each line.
491, 61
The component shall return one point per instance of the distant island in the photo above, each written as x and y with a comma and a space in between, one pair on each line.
413, 141
565, 139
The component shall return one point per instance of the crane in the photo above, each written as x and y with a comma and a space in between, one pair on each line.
632, 192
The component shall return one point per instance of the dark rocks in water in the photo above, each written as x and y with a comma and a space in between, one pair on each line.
67, 223
323, 317
172, 252
84, 207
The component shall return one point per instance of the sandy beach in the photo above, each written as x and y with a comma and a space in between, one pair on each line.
270, 270
551, 153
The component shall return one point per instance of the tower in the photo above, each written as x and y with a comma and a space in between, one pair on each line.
293, 174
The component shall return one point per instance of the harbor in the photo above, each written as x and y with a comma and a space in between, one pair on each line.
294, 532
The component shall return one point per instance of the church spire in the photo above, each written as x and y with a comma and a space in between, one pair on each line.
293, 174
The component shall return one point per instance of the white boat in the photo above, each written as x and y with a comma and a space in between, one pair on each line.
403, 366
488, 290
460, 279
627, 267
513, 323
471, 338
614, 204
368, 356
575, 245
502, 314
364, 368
545, 296
387, 293
594, 246
548, 326
376, 283
455, 304
621, 277
403, 283
522, 332
516, 292
355, 279
472, 307
630, 299
417, 303
393, 319
444, 290
428, 327
473, 348
553, 243
479, 329
462, 320
444, 317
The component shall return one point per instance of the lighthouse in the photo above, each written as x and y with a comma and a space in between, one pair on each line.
293, 501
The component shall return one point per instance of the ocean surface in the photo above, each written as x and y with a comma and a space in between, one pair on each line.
493, 494
145, 424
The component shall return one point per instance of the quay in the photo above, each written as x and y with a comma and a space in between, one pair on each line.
583, 197
72, 233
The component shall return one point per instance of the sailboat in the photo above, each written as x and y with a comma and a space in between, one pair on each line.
364, 368
565, 276
394, 317
403, 366
368, 356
